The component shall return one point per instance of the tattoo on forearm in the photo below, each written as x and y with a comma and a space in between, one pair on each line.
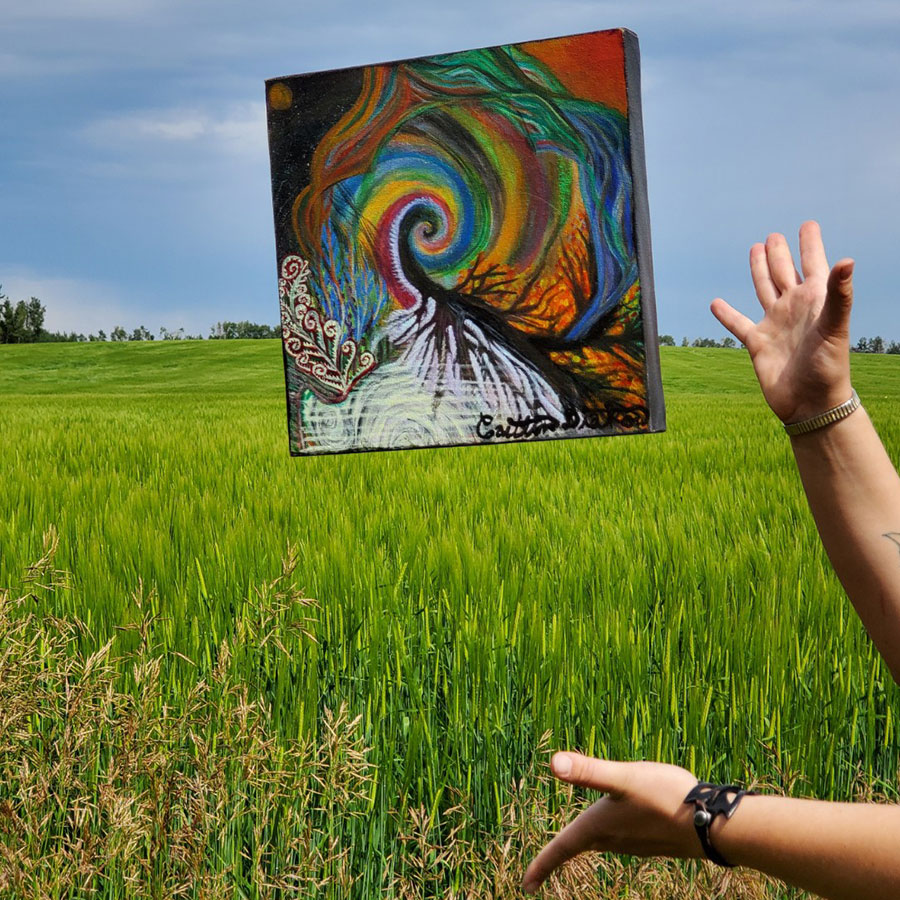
893, 536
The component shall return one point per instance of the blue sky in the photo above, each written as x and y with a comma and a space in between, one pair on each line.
134, 175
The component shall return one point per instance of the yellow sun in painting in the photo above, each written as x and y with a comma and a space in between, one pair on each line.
280, 96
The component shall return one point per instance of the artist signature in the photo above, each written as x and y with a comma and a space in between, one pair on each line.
536, 425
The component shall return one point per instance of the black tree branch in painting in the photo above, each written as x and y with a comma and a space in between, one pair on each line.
493, 279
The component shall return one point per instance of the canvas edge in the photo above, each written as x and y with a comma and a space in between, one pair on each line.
284, 356
355, 451
655, 400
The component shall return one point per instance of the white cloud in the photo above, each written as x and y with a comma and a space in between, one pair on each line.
240, 129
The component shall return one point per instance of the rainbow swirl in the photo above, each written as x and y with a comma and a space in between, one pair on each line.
479, 171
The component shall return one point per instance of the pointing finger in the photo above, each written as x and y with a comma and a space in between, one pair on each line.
737, 323
599, 774
561, 849
575, 838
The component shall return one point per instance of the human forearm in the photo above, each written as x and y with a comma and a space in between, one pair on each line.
841, 851
854, 495
801, 355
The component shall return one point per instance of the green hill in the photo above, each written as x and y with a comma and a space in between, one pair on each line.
660, 597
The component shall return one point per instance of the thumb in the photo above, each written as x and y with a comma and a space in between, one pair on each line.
599, 774
839, 296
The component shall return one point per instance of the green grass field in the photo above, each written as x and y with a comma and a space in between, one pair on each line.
660, 597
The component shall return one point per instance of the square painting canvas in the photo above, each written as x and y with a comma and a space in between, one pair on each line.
464, 249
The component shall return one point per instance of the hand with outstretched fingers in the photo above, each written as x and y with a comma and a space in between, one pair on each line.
642, 814
800, 349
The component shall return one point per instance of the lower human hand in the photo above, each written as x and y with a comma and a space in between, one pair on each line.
801, 347
642, 814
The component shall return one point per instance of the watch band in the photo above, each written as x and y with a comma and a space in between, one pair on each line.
826, 418
709, 801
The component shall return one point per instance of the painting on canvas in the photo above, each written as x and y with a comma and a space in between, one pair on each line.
463, 248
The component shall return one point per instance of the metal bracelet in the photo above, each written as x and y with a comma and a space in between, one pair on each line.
825, 418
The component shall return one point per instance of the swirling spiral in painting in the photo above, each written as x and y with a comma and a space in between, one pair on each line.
494, 209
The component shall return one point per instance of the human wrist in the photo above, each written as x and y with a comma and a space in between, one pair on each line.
835, 448
797, 400
730, 836
796, 426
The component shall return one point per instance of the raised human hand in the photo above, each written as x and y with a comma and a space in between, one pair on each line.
800, 349
642, 814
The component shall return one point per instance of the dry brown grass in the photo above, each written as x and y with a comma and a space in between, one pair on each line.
437, 863
110, 787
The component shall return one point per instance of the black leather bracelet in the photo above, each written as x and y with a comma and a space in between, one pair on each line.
709, 801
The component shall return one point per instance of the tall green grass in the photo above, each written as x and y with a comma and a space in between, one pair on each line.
661, 597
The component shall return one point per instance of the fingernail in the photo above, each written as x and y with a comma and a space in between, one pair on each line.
562, 764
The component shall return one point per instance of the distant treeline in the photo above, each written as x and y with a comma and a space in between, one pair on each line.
875, 345
23, 323
863, 345
666, 340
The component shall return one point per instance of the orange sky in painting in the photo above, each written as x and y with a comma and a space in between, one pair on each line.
591, 66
